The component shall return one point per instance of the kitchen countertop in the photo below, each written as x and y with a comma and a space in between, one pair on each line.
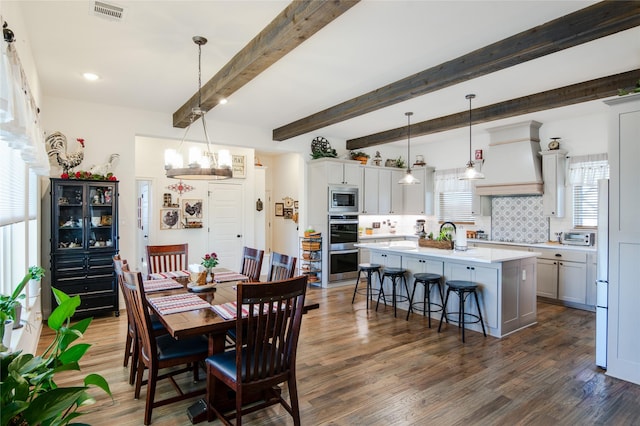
547, 245
479, 254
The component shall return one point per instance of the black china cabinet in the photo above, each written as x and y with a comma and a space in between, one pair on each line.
84, 239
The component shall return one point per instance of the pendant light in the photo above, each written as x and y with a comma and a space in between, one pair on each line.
470, 172
408, 178
202, 166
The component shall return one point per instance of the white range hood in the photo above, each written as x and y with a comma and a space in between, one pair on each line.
512, 165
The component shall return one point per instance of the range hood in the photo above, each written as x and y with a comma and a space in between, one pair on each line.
512, 165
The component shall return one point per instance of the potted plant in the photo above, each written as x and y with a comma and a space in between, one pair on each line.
10, 305
362, 157
28, 392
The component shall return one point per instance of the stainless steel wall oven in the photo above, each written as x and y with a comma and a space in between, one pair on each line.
343, 254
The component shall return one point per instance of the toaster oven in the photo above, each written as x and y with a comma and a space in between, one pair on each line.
579, 238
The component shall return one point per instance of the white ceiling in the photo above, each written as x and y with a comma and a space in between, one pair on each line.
148, 60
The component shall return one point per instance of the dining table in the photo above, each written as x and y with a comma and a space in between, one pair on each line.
184, 316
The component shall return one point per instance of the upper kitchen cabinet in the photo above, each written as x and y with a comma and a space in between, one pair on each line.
382, 194
553, 173
340, 172
418, 198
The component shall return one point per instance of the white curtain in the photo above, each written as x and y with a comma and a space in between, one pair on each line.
585, 170
448, 181
19, 123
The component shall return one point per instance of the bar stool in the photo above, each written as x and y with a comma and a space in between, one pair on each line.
429, 281
463, 289
394, 275
369, 269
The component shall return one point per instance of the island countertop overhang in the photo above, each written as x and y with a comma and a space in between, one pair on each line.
476, 254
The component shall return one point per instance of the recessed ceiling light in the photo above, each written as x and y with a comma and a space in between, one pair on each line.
90, 76
223, 101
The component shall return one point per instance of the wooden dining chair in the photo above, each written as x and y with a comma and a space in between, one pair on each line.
281, 267
167, 258
161, 352
252, 263
131, 343
265, 353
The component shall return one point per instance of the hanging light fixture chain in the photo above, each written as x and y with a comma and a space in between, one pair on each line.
408, 114
470, 97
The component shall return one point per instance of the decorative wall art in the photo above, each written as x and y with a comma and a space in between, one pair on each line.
191, 210
279, 209
288, 213
239, 165
169, 218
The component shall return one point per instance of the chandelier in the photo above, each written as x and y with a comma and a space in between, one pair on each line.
202, 165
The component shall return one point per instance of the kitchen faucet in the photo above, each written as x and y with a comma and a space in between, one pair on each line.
448, 223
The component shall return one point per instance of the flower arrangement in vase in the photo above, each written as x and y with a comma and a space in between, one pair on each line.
209, 261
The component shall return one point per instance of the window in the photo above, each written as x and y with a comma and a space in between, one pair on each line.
454, 196
584, 173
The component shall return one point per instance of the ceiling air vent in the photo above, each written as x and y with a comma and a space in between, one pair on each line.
108, 11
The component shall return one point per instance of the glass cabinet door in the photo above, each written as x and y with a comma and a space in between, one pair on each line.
68, 220
100, 215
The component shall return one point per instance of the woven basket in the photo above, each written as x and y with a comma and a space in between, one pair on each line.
445, 245
310, 245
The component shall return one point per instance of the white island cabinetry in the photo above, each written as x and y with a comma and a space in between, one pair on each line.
506, 278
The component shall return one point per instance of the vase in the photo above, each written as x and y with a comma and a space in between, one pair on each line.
8, 329
210, 274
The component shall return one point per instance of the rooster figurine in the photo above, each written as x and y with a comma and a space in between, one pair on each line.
57, 143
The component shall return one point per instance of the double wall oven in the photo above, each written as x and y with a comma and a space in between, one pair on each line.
343, 254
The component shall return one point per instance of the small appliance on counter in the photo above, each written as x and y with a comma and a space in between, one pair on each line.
578, 238
481, 235
419, 227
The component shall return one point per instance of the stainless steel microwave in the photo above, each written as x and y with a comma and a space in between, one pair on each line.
579, 238
343, 199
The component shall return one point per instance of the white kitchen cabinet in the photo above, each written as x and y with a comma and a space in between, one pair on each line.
388, 261
562, 275
487, 279
371, 190
342, 173
418, 198
480, 205
547, 278
623, 341
553, 173
382, 193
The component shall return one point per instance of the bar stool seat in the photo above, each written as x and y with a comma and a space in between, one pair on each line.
463, 289
369, 269
429, 281
394, 275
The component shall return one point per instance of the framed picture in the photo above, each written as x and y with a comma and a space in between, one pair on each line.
169, 218
239, 166
191, 211
105, 220
478, 154
279, 209
288, 213
295, 204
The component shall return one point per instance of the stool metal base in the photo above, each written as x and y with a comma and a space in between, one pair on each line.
369, 269
394, 275
429, 282
463, 289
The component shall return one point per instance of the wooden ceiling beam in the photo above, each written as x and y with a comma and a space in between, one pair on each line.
296, 23
588, 24
576, 93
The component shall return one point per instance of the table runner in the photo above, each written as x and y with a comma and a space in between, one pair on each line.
178, 303
229, 310
161, 284
169, 274
221, 277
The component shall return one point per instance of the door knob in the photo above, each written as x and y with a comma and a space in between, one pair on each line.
238, 236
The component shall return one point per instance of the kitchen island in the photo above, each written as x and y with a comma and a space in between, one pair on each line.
506, 280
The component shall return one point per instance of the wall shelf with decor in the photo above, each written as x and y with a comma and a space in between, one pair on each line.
310, 263
84, 238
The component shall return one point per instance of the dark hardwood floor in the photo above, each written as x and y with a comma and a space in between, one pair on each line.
359, 367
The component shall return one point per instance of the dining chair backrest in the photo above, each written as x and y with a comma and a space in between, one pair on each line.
252, 263
166, 258
281, 267
271, 333
133, 289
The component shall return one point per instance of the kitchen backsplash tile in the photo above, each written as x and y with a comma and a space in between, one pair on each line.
518, 219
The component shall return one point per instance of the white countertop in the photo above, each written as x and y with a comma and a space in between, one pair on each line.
547, 245
480, 255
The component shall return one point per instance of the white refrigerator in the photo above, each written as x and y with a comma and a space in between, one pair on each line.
602, 273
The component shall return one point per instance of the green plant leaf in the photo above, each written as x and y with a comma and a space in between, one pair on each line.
74, 353
74, 332
65, 309
67, 367
51, 404
99, 381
